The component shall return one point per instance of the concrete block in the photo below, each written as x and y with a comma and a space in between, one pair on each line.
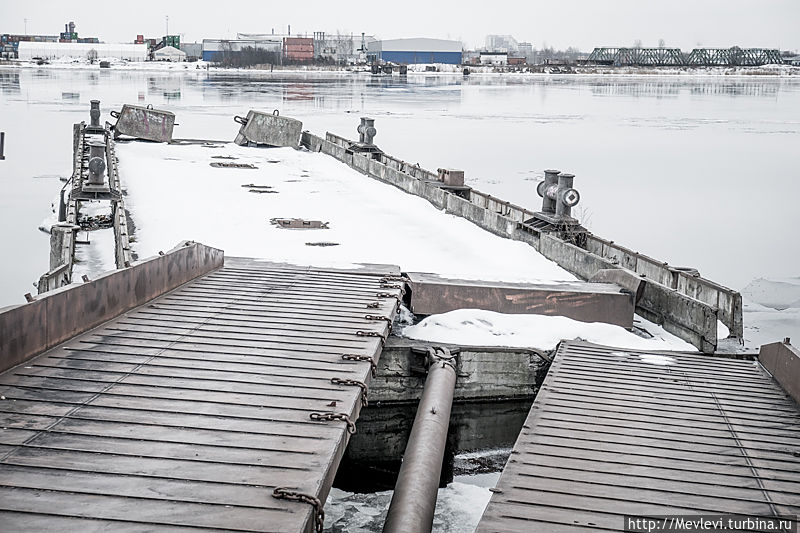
268, 129
624, 278
144, 123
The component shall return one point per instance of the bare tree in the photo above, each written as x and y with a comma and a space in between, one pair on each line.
637, 43
91, 55
662, 43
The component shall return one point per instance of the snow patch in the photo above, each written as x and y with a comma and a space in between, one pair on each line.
487, 328
655, 359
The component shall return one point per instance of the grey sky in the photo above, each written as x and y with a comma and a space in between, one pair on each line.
558, 23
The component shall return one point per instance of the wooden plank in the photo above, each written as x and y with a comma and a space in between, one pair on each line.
611, 435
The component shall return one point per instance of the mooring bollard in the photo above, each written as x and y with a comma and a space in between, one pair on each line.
366, 130
94, 114
558, 196
97, 163
2, 145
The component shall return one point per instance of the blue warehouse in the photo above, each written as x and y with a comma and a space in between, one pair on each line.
416, 51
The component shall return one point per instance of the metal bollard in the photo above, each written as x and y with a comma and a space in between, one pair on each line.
97, 162
366, 130
567, 196
2, 145
550, 180
558, 196
94, 114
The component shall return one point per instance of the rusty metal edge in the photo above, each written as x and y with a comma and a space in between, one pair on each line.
29, 329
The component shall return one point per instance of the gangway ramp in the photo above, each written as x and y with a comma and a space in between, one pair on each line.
187, 412
619, 432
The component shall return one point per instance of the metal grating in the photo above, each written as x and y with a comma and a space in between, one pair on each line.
189, 411
618, 432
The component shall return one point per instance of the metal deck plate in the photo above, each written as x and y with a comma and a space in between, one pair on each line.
190, 410
618, 432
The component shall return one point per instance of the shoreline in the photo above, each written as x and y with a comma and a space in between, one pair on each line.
443, 70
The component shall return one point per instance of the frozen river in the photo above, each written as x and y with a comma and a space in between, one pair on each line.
697, 171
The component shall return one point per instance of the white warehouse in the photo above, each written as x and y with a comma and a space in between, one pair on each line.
32, 50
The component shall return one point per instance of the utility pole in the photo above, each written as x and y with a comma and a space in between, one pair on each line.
167, 17
26, 26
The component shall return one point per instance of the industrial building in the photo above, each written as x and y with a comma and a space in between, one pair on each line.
501, 43
53, 51
415, 51
169, 53
298, 49
213, 49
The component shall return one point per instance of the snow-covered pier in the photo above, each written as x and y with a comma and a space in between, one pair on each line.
196, 389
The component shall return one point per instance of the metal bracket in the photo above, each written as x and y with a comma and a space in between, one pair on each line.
370, 360
435, 355
328, 417
283, 493
356, 383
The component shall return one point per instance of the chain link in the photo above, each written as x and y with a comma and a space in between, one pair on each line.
319, 513
329, 417
361, 333
356, 383
380, 317
388, 295
352, 357
386, 279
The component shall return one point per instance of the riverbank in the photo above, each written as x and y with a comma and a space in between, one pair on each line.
426, 69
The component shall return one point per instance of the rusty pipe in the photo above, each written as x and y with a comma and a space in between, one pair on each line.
414, 499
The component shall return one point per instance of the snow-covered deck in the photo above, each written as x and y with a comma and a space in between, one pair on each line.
173, 193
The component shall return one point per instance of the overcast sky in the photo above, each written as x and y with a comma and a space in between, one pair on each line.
559, 23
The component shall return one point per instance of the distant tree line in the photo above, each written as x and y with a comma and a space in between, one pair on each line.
248, 56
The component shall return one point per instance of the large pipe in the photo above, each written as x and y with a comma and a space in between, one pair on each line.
414, 499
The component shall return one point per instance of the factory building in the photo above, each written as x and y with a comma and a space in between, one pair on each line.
54, 51
415, 51
298, 49
214, 49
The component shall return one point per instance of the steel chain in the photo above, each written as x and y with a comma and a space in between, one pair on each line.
380, 317
283, 493
361, 333
356, 383
370, 360
329, 417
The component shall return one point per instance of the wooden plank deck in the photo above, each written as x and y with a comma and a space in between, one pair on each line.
618, 432
186, 413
